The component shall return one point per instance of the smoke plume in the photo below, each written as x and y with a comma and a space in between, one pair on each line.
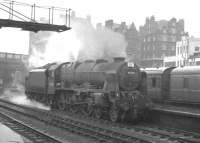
82, 42
98, 43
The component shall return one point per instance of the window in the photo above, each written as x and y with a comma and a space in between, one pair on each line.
10, 56
173, 48
153, 82
164, 31
164, 47
198, 63
173, 30
196, 48
164, 38
17, 56
173, 38
154, 38
185, 83
2, 55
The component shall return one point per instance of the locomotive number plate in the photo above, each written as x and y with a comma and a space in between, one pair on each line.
130, 64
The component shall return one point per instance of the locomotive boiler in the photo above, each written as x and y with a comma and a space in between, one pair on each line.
115, 90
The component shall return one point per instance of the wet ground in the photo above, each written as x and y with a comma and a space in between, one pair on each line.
10, 136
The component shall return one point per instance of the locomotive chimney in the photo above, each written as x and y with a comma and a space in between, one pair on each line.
119, 59
101, 61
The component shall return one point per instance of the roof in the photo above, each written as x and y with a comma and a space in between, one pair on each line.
186, 70
85, 66
155, 70
38, 70
108, 67
54, 66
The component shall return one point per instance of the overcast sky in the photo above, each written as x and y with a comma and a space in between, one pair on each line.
120, 10
135, 10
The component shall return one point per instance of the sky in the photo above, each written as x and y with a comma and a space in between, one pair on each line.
135, 10
119, 10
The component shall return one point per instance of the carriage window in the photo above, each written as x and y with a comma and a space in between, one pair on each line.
185, 83
2, 55
153, 82
17, 56
10, 56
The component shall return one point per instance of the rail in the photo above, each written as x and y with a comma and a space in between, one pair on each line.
25, 130
105, 131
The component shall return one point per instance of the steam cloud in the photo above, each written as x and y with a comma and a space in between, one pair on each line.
98, 43
82, 42
15, 93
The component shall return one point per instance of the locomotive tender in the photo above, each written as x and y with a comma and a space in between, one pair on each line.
174, 85
115, 90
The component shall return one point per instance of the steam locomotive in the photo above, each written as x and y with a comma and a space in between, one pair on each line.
116, 90
174, 85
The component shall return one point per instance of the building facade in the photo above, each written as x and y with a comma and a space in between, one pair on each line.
187, 53
182, 51
159, 40
194, 51
132, 37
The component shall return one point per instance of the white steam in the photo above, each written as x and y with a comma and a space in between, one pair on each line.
107, 44
17, 95
82, 42
57, 49
98, 43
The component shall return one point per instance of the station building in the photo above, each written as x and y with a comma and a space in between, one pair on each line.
187, 53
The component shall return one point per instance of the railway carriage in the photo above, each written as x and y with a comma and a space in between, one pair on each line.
184, 85
158, 83
154, 79
174, 85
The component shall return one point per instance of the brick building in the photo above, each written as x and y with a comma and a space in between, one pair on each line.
131, 35
159, 40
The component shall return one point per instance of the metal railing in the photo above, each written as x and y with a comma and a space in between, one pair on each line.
10, 7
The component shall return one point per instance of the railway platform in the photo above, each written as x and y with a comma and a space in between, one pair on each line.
9, 135
182, 111
186, 118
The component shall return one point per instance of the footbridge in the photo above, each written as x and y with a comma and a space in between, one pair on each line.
32, 17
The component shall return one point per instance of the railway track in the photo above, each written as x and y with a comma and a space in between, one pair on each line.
68, 124
26, 130
105, 131
163, 133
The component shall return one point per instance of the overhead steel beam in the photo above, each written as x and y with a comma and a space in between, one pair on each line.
32, 26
